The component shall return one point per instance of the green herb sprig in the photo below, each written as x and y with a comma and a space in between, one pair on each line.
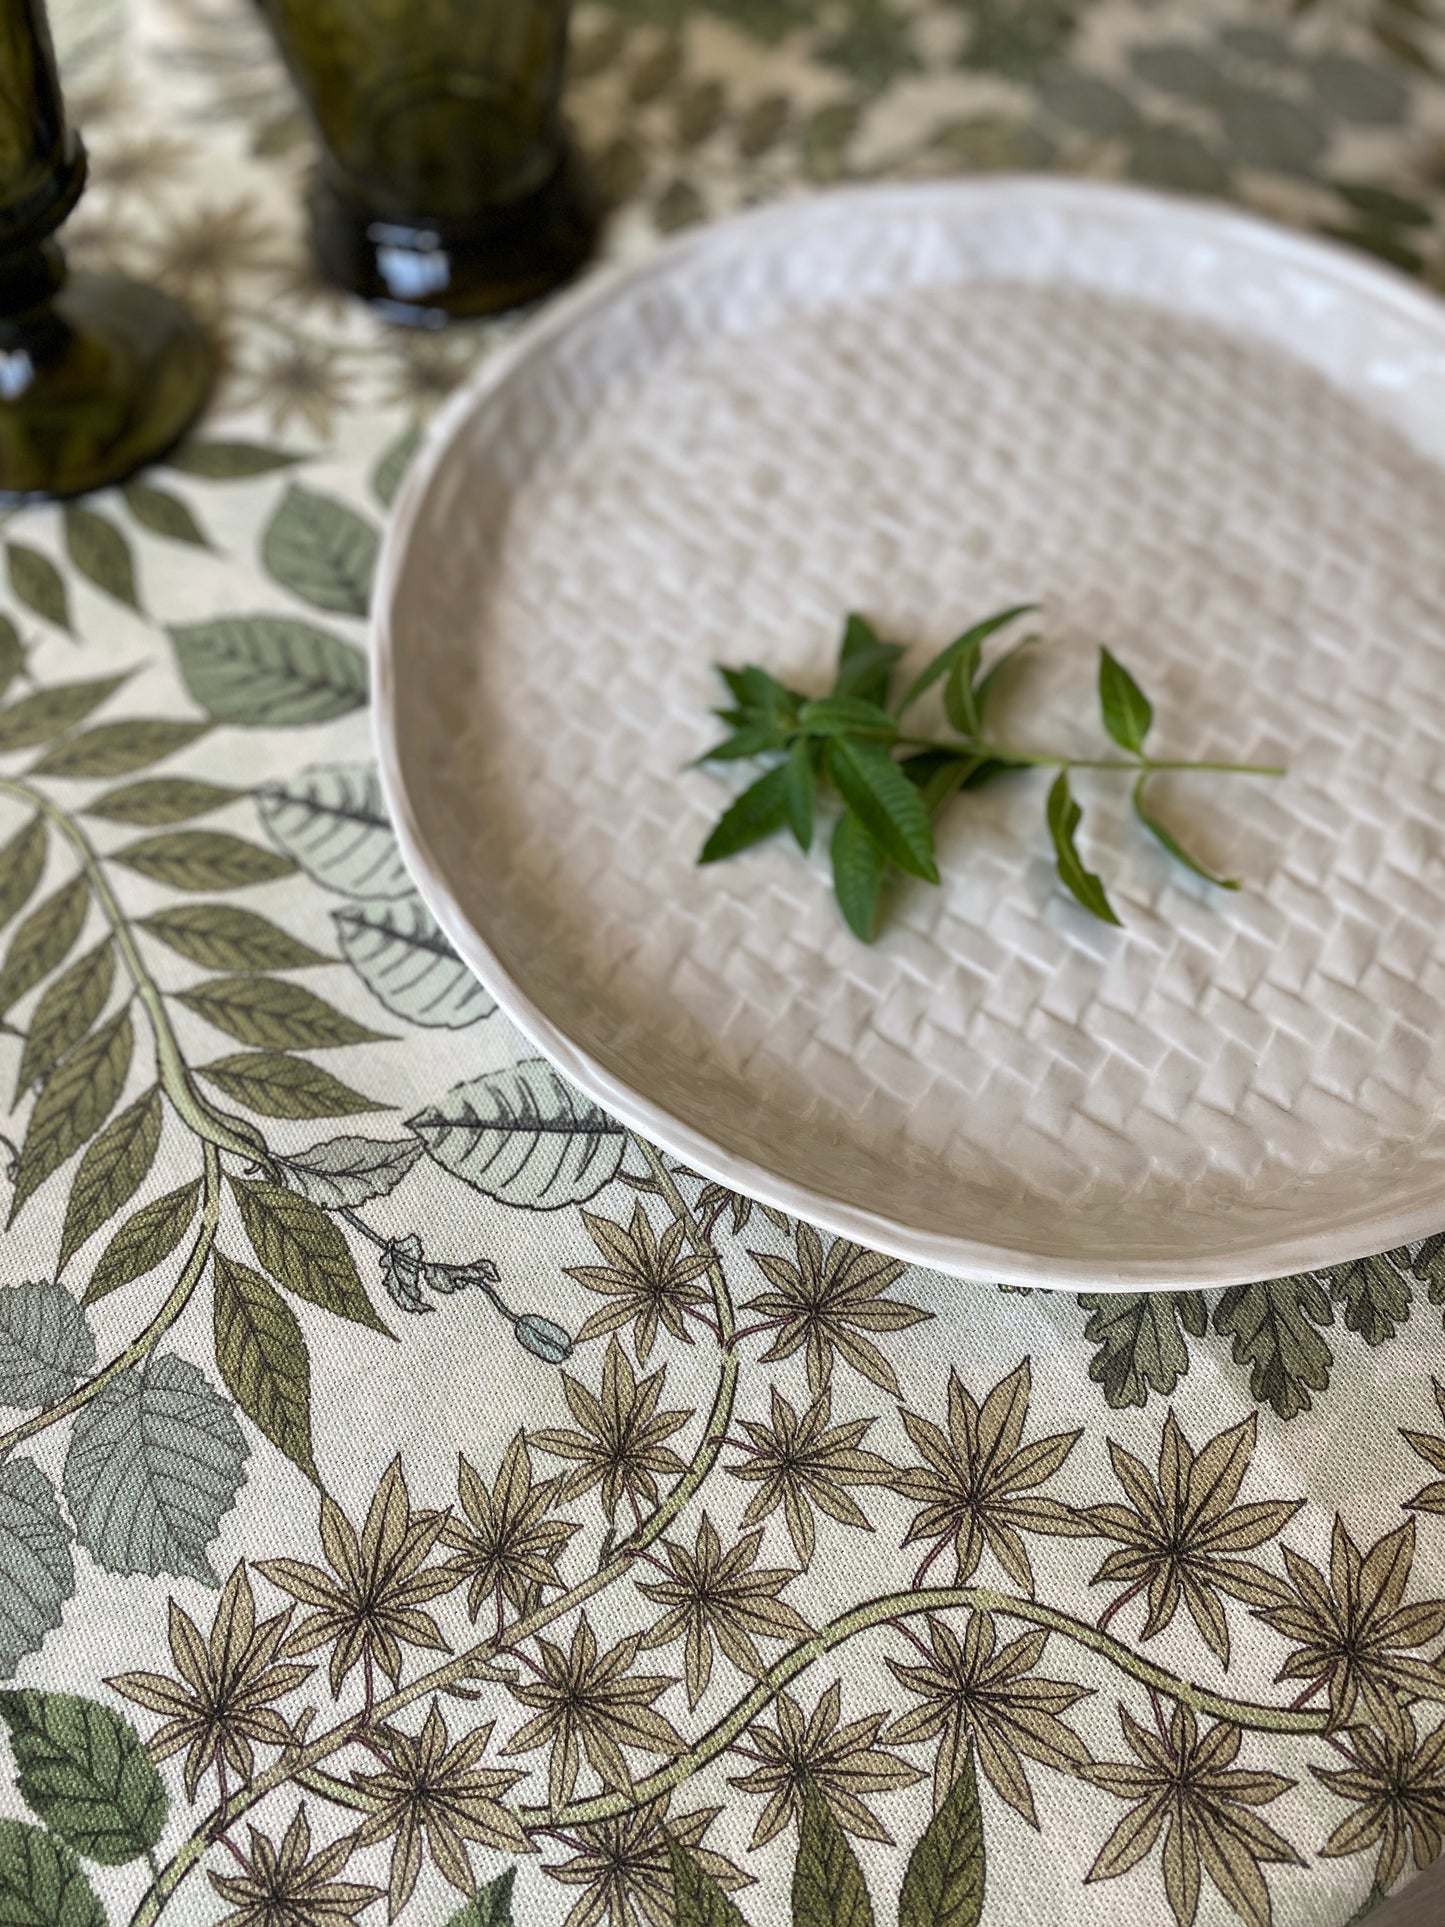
892, 786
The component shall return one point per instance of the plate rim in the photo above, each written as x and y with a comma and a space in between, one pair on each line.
967, 1258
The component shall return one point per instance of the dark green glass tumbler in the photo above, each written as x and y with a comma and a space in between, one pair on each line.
97, 374
447, 185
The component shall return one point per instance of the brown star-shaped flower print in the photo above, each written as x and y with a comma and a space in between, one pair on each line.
290, 1887
1186, 1785
1179, 1536
1355, 1635
974, 1691
975, 1488
805, 1463
723, 1596
433, 1791
221, 1705
622, 1865
842, 1761
369, 1605
506, 1544
646, 1279
622, 1446
589, 1701
1430, 1498
826, 1303
1395, 1783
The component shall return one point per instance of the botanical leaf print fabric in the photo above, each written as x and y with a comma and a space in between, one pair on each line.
419, 1498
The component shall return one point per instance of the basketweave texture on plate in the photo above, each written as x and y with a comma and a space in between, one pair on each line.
1210, 447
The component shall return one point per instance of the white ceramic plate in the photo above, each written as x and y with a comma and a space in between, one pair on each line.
1217, 447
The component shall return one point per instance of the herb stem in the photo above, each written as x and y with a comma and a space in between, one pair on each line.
1136, 765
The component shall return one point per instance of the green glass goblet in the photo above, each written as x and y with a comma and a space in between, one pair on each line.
447, 185
98, 375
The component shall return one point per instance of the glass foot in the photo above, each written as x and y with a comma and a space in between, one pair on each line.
426, 273
96, 383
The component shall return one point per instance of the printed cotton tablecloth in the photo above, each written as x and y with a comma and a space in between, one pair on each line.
418, 1498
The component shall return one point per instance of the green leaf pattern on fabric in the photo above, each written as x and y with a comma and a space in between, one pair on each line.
37, 1571
83, 1770
46, 1347
154, 1465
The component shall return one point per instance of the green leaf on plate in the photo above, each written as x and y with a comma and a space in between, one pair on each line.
847, 716
937, 773
1065, 817
751, 739
761, 693
1127, 711
991, 681
960, 705
858, 867
865, 664
1171, 842
802, 788
964, 648
757, 813
885, 803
